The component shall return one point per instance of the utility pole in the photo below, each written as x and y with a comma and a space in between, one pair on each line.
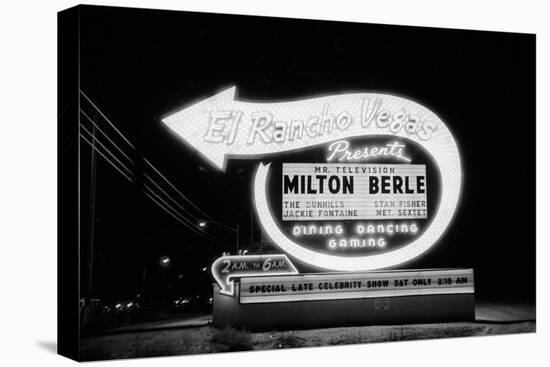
237, 238
91, 212
251, 232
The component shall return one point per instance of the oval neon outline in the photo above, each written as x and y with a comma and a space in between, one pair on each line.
444, 151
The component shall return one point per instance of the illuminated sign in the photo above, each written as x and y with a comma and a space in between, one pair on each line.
227, 267
349, 182
309, 287
220, 126
353, 191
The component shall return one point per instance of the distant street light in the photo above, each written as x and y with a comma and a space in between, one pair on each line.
203, 224
164, 261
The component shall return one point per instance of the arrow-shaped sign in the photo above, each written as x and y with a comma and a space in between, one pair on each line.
227, 267
221, 126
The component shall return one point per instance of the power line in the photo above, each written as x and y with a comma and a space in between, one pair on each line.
132, 162
156, 197
174, 213
147, 161
95, 139
222, 225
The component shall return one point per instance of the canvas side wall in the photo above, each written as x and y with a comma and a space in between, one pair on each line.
68, 293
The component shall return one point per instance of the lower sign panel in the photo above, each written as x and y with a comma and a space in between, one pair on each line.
314, 287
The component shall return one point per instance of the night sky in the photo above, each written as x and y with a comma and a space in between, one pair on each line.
139, 66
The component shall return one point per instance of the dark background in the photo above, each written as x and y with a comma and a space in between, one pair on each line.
139, 66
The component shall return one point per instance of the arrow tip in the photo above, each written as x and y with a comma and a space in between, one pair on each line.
191, 123
228, 93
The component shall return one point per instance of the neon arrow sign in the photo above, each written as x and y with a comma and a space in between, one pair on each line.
221, 127
227, 267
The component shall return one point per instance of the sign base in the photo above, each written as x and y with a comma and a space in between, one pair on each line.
319, 313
